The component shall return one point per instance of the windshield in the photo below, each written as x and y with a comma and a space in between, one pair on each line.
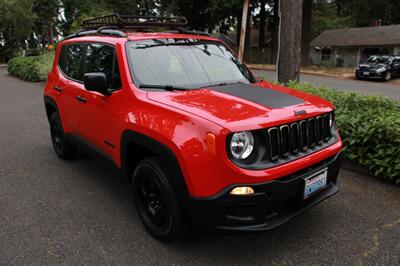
379, 60
188, 63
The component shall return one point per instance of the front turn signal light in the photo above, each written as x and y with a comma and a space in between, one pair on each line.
211, 143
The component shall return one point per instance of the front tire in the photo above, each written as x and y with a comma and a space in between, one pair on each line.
388, 76
156, 201
62, 147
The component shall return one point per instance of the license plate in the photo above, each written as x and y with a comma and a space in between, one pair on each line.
366, 73
315, 183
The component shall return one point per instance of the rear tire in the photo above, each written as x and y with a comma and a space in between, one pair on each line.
156, 201
62, 147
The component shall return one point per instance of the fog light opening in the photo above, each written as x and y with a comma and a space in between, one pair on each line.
240, 191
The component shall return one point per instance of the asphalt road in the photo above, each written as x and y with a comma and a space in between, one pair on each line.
390, 89
80, 212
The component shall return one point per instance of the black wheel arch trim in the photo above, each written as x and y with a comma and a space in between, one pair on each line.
159, 149
49, 101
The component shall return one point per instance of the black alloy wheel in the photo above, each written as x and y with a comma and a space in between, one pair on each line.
156, 201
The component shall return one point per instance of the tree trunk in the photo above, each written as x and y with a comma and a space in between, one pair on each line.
306, 32
238, 29
263, 17
275, 32
290, 40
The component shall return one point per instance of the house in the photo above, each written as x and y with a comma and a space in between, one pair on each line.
348, 47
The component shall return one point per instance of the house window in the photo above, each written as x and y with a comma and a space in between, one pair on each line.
325, 55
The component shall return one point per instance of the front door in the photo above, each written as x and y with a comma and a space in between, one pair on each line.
396, 67
99, 123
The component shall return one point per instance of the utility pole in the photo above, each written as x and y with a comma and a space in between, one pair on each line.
290, 28
243, 28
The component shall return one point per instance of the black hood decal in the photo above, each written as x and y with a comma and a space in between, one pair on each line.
263, 96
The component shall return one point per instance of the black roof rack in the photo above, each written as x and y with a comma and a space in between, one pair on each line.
131, 22
114, 24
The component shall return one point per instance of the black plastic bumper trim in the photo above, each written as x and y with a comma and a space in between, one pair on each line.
273, 203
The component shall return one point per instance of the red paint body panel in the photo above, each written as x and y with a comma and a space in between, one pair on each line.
179, 120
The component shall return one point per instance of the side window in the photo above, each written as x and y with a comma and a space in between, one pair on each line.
70, 61
101, 58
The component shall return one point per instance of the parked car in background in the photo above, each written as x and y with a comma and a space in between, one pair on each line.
379, 67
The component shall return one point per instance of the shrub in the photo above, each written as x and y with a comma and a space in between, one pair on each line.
32, 68
369, 127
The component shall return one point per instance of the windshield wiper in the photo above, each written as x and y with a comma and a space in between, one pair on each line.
163, 87
222, 84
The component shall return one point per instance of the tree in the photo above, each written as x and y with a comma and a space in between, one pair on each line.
290, 40
326, 15
274, 28
306, 32
46, 19
16, 26
263, 18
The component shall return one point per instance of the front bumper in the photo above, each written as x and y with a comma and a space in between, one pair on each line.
273, 203
372, 75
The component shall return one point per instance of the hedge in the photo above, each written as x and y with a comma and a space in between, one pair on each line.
369, 127
31, 68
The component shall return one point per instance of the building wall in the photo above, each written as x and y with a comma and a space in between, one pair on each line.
349, 56
315, 56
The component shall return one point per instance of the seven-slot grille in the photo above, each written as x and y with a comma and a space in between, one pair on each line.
300, 136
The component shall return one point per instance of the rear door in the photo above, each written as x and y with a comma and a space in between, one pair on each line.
70, 85
99, 122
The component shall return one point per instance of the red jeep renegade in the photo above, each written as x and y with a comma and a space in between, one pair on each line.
199, 138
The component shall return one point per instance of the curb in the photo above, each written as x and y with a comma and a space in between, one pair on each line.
353, 166
301, 72
3, 65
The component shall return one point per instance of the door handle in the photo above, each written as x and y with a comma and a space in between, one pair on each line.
57, 88
81, 99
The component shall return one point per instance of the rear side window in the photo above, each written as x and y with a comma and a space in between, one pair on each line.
101, 58
70, 61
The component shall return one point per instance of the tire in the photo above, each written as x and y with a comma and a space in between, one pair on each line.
62, 147
156, 201
388, 76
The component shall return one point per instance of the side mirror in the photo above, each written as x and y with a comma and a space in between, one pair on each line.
96, 81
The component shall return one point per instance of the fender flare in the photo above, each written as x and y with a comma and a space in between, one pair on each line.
52, 102
161, 150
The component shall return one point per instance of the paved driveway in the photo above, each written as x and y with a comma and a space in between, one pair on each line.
389, 89
80, 212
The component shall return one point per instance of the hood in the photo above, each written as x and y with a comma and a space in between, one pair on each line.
373, 65
245, 106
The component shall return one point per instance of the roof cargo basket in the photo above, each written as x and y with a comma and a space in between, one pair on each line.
132, 22
117, 25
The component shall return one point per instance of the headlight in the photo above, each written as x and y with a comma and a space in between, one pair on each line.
382, 69
242, 144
